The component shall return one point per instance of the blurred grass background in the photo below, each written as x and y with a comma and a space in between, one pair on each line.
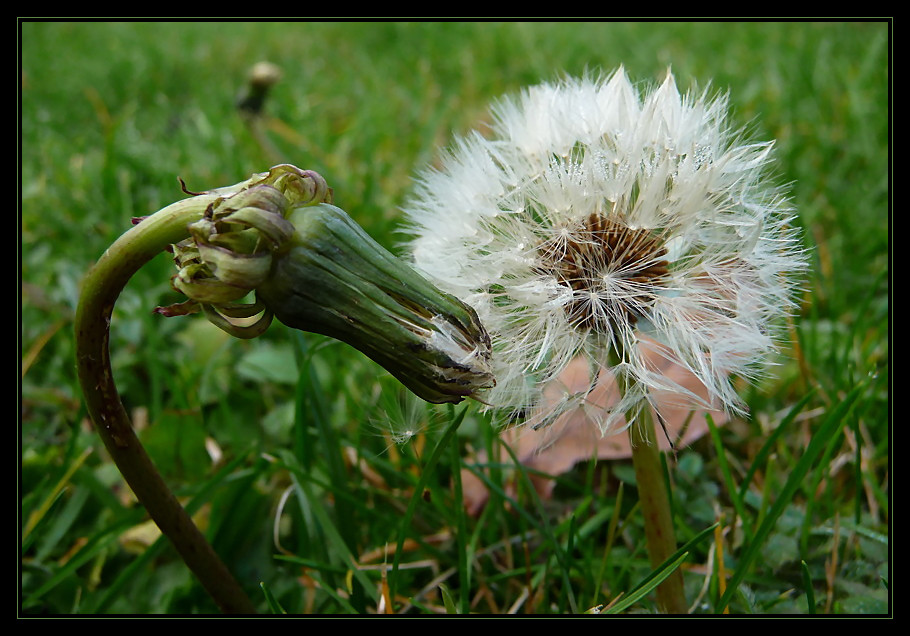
285, 445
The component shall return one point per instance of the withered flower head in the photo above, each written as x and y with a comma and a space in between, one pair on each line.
278, 239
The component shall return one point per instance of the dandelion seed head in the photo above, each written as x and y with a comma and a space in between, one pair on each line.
612, 223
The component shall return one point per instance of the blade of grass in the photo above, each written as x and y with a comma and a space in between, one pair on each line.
461, 536
608, 544
37, 515
738, 501
558, 551
425, 475
819, 442
650, 584
661, 572
447, 600
101, 604
807, 586
271, 601
768, 447
812, 490
335, 540
312, 408
343, 602
93, 546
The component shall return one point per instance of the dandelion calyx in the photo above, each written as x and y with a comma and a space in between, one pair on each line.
279, 239
335, 280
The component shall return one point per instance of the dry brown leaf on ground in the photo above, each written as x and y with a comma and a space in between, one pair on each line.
574, 437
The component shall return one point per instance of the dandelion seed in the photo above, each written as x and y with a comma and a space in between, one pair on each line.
600, 222
402, 437
401, 418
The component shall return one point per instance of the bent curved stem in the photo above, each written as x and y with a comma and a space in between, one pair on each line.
102, 286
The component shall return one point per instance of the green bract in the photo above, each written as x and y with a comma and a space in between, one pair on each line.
335, 280
309, 264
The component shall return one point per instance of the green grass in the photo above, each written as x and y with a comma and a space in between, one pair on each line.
308, 480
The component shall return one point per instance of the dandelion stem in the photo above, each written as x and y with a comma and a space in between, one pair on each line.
102, 285
655, 506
